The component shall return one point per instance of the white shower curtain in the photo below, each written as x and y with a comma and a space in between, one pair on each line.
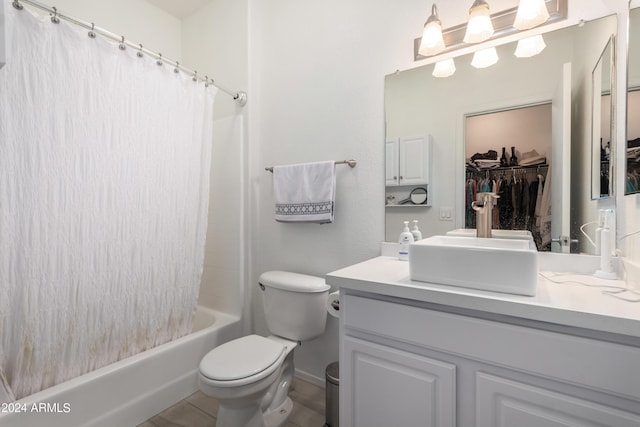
104, 171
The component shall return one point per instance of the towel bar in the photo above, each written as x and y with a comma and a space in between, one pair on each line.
351, 163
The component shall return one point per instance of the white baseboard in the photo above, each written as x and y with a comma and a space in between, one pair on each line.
305, 376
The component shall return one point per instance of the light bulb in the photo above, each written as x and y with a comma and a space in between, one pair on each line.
444, 68
485, 58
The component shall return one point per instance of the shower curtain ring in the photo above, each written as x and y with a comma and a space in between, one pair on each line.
206, 81
195, 76
55, 18
177, 69
92, 33
140, 55
122, 46
159, 61
17, 5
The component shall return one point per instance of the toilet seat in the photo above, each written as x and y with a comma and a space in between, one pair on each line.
242, 361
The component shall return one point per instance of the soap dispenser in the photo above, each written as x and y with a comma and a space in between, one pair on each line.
417, 234
404, 241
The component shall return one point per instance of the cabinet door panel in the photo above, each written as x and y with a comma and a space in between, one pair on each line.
390, 387
414, 157
504, 403
391, 162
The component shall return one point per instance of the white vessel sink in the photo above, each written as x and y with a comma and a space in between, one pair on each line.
497, 234
499, 265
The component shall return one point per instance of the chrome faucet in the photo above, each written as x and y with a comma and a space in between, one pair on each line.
484, 213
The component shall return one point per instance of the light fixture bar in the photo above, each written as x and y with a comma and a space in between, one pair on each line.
502, 23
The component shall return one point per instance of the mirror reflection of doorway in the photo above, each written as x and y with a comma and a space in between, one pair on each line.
508, 152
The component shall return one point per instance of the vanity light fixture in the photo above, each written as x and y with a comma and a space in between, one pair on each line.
485, 58
531, 46
444, 68
432, 42
502, 22
531, 13
479, 27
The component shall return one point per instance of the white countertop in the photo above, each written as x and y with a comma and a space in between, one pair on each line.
567, 304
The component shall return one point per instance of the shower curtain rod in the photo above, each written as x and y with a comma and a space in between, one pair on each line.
239, 97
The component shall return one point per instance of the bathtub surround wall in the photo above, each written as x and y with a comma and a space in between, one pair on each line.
215, 42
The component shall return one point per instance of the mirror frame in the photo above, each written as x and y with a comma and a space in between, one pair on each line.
450, 213
629, 89
597, 92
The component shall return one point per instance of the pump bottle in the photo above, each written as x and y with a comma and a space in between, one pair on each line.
417, 234
404, 241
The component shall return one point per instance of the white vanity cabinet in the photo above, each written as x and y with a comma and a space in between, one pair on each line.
414, 363
408, 161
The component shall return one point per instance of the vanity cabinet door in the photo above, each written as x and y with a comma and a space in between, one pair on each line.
391, 387
502, 402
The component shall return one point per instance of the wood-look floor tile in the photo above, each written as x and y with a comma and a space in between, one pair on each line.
200, 410
183, 414
303, 416
205, 403
308, 395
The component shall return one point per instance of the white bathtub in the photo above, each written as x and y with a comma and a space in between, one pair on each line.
128, 392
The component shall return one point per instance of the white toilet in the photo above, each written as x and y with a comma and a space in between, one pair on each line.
250, 376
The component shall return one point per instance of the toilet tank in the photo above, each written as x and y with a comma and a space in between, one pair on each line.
294, 304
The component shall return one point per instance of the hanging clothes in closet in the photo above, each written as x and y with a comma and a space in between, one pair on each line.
521, 191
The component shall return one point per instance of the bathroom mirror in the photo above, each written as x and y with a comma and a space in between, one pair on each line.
601, 129
632, 184
416, 103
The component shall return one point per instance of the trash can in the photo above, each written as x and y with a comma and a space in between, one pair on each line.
332, 376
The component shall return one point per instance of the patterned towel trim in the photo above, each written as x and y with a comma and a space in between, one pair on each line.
317, 208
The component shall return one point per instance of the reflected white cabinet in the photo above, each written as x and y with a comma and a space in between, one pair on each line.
408, 161
404, 363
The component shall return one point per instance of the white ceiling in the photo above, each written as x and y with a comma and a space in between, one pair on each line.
179, 8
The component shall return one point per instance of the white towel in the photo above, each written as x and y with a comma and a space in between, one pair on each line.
305, 192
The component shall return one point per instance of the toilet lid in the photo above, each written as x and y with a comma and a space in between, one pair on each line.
241, 358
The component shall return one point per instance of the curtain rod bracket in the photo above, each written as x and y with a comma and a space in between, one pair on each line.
241, 98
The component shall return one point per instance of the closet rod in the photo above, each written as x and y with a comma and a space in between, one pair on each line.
56, 15
351, 163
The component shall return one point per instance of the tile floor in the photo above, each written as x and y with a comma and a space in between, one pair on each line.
200, 410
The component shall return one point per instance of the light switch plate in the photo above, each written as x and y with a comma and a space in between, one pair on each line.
446, 214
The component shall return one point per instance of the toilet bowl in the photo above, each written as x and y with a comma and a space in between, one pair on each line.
250, 376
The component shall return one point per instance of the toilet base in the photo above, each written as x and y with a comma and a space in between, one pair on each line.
254, 418
278, 416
